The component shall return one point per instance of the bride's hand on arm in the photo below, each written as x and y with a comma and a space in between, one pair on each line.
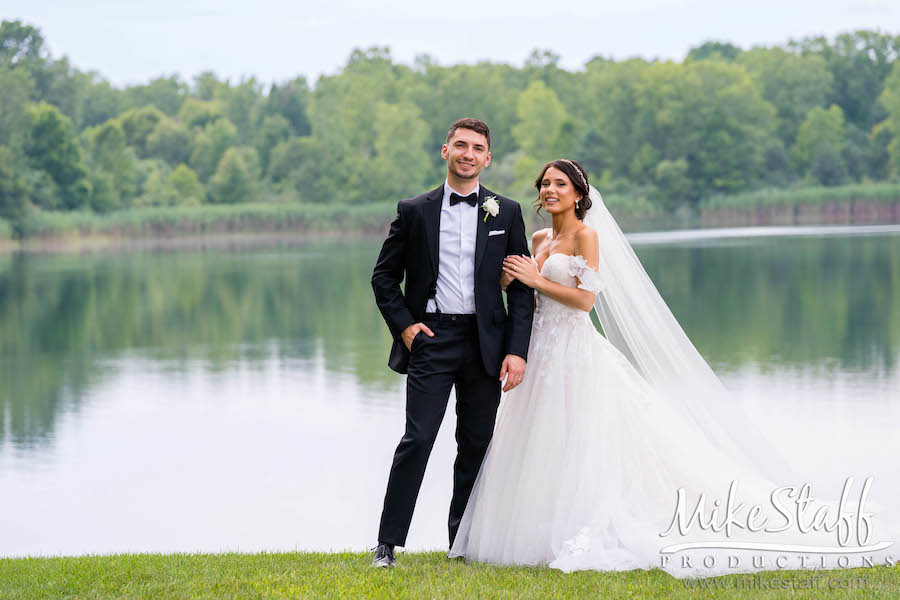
516, 266
525, 270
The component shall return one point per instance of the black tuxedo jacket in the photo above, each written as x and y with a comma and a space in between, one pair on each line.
411, 250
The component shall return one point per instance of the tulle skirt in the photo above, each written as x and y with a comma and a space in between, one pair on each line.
585, 466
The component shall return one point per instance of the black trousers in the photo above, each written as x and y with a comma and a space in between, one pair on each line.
451, 357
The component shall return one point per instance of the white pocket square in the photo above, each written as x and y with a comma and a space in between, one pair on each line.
496, 232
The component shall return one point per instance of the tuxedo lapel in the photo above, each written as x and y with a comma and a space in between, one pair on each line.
432, 217
481, 235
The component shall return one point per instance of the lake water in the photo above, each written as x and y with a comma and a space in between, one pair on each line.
239, 399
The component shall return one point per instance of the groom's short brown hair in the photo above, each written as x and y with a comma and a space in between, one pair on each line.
473, 124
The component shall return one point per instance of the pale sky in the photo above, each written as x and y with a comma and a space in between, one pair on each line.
133, 42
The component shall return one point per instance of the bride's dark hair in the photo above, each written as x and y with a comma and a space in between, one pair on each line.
576, 173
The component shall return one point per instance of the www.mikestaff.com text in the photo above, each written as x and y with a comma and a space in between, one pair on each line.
829, 582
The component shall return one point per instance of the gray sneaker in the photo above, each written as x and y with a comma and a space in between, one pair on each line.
384, 556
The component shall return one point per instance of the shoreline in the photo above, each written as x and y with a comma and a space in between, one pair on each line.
233, 240
852, 212
230, 240
113, 235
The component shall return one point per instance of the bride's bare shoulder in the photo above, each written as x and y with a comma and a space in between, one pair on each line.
538, 237
586, 245
585, 234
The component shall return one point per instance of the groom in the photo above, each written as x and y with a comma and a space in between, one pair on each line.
449, 324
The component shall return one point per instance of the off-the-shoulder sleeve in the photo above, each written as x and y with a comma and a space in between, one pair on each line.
590, 279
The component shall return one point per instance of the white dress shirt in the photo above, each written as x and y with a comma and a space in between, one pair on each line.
455, 290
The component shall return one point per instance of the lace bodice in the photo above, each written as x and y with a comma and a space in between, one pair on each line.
566, 270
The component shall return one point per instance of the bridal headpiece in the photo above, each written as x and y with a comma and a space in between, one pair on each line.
577, 170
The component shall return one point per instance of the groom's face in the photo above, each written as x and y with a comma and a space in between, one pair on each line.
466, 153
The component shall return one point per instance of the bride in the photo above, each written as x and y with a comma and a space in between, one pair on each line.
613, 442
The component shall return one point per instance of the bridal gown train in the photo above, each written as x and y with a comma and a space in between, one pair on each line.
586, 460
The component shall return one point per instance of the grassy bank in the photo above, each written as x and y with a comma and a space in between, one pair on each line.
240, 218
419, 575
856, 203
869, 203
207, 219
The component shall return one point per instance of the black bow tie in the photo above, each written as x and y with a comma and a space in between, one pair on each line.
455, 198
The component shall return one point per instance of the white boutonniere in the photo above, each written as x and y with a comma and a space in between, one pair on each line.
490, 207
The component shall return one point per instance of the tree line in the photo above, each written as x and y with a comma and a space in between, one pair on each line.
813, 111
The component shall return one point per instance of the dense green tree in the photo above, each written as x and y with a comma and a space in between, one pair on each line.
234, 180
207, 86
138, 124
43, 192
673, 182
57, 82
714, 49
400, 166
199, 113
209, 146
710, 113
890, 100
52, 147
273, 130
793, 84
820, 145
154, 180
539, 132
102, 102
728, 127
104, 196
295, 165
291, 101
17, 87
13, 187
859, 62
165, 93
20, 44
110, 153
610, 141
878, 155
856, 152
170, 140
185, 185
543, 65
239, 103
723, 120
342, 114
287, 156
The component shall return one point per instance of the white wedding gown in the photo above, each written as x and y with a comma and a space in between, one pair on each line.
585, 461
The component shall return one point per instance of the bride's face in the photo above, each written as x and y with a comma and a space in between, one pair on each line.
558, 195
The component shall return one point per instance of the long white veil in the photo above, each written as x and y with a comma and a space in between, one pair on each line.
637, 321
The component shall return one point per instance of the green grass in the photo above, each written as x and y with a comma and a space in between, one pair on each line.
348, 575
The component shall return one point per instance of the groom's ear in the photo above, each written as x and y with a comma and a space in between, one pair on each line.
444, 151
487, 159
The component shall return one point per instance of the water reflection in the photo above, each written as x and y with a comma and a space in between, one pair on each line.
240, 399
830, 303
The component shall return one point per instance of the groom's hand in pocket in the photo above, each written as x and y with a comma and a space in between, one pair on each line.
410, 332
513, 368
